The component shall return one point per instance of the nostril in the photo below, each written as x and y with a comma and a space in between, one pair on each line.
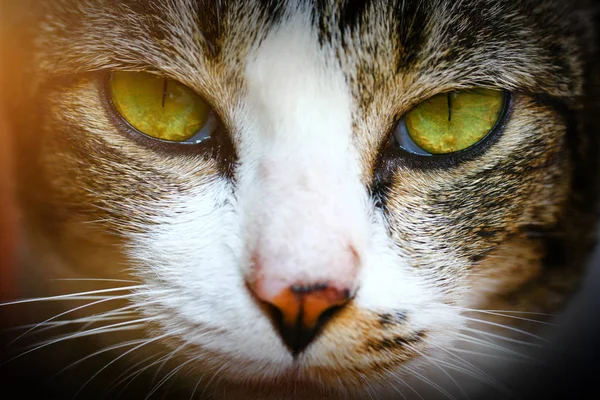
299, 312
297, 337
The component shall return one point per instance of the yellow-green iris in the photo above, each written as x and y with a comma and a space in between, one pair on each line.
159, 107
453, 121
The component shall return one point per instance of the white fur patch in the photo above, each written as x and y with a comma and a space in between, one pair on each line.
302, 201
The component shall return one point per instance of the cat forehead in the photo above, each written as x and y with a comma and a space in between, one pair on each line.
516, 45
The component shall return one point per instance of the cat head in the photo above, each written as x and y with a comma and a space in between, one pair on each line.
307, 235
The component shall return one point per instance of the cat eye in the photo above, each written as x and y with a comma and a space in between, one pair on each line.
160, 107
450, 122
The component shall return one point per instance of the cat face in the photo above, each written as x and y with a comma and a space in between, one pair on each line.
301, 242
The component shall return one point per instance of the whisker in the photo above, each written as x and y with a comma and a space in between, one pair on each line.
196, 387
510, 328
117, 381
437, 363
495, 356
95, 331
133, 376
167, 377
149, 341
505, 314
504, 338
169, 356
397, 390
168, 388
49, 325
94, 280
86, 324
72, 310
403, 382
107, 349
514, 317
491, 345
469, 371
104, 299
488, 378
221, 368
104, 329
430, 382
500, 311
70, 296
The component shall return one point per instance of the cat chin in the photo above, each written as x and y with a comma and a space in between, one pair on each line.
296, 381
312, 374
306, 383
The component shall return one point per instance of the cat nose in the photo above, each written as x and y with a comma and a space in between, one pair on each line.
300, 311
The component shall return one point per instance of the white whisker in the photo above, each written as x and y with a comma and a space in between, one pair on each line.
94, 280
133, 376
128, 325
107, 349
504, 338
480, 373
437, 363
169, 356
406, 384
510, 328
167, 377
149, 341
53, 324
123, 376
217, 372
397, 390
70, 311
496, 356
430, 382
196, 387
491, 345
70, 296
501, 314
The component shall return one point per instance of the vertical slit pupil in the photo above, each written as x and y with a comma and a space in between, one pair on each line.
449, 106
165, 86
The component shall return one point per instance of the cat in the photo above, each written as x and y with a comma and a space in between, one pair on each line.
295, 199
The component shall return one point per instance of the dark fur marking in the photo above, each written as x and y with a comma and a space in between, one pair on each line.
475, 258
483, 232
395, 342
411, 16
387, 319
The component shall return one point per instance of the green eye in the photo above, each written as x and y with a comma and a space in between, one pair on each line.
158, 107
450, 122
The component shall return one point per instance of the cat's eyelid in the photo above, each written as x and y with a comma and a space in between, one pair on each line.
412, 101
191, 84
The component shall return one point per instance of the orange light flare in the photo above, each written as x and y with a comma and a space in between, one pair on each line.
8, 217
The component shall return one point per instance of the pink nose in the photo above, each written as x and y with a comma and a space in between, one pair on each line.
299, 311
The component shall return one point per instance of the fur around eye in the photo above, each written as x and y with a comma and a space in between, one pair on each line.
450, 122
159, 107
